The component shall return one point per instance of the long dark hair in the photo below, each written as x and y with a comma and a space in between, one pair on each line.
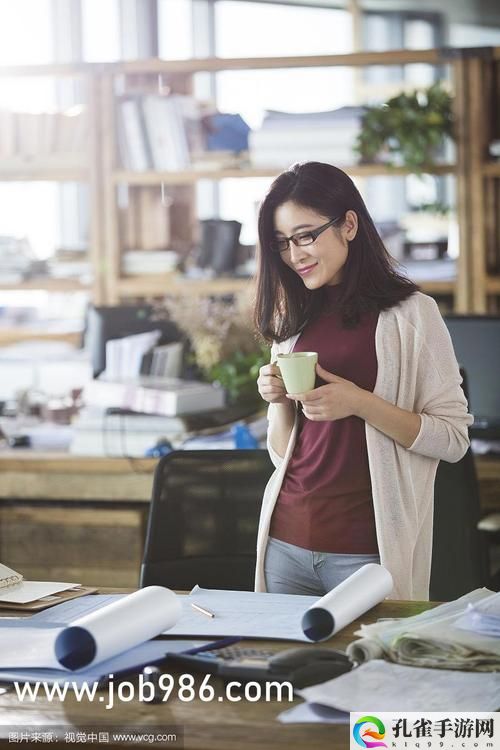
370, 281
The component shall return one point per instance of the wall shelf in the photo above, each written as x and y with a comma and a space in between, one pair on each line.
190, 177
155, 286
48, 285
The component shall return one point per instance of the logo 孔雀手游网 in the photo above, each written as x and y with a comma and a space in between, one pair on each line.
369, 731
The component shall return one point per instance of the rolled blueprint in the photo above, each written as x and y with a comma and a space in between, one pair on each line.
360, 592
117, 627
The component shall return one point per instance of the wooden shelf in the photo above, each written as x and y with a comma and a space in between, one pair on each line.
156, 286
493, 284
28, 174
437, 287
14, 335
216, 64
60, 167
189, 177
491, 169
49, 285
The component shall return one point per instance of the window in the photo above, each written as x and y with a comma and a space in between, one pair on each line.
257, 29
100, 30
260, 30
175, 39
23, 42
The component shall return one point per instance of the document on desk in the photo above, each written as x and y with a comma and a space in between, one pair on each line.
382, 686
133, 659
93, 638
248, 614
251, 614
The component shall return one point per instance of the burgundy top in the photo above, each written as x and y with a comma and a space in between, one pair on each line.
325, 502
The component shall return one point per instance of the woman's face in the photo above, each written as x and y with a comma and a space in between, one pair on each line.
321, 262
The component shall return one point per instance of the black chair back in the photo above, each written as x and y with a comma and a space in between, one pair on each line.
459, 559
203, 519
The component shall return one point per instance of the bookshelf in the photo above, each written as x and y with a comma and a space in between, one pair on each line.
478, 117
475, 76
56, 163
178, 75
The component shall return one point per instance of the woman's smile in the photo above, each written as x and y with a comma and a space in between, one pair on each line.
306, 269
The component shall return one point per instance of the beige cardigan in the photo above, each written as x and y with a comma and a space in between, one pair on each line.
417, 371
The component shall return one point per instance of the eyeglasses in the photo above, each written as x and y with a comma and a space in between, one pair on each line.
281, 244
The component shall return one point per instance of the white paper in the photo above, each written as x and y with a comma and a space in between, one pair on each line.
66, 612
247, 614
137, 657
482, 618
28, 647
251, 614
31, 591
134, 619
313, 713
360, 592
383, 686
125, 623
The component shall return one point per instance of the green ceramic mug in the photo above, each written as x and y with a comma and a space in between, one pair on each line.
298, 370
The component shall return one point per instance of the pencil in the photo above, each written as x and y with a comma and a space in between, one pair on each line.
202, 610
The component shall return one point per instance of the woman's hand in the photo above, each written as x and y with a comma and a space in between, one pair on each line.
270, 385
335, 400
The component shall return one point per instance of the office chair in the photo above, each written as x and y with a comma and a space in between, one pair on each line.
203, 520
459, 561
459, 558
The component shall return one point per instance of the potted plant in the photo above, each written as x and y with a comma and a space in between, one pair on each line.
408, 130
224, 347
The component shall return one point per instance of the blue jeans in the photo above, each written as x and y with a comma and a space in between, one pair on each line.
293, 570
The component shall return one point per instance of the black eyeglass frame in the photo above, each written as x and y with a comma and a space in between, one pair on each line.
313, 233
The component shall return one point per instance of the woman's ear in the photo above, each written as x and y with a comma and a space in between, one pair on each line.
350, 225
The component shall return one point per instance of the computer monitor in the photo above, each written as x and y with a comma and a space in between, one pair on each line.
106, 323
476, 340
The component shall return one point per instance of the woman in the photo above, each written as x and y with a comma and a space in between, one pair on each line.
356, 457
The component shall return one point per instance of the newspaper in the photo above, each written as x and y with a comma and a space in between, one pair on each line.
435, 638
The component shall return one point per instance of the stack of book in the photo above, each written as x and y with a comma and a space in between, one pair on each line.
99, 433
43, 134
70, 263
158, 132
168, 397
149, 262
287, 137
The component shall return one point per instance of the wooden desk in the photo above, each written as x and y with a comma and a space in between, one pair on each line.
79, 518
207, 726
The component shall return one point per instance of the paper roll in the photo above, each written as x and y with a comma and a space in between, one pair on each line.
350, 599
121, 625
363, 650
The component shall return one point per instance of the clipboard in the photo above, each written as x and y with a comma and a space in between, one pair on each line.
48, 601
